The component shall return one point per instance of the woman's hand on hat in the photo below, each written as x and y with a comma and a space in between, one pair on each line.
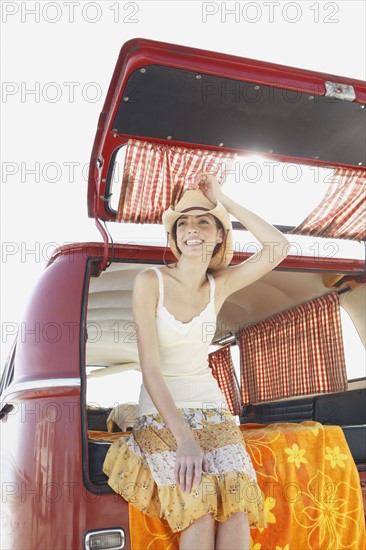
209, 185
189, 465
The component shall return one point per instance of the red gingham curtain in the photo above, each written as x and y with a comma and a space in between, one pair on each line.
155, 175
223, 370
342, 212
298, 352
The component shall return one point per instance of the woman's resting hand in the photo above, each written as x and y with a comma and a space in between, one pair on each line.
190, 464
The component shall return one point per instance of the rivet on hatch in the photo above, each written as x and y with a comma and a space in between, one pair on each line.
316, 157
198, 76
360, 163
142, 70
221, 144
362, 106
257, 87
126, 98
311, 97
270, 150
168, 137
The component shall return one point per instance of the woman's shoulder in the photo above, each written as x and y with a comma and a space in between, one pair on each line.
145, 289
146, 278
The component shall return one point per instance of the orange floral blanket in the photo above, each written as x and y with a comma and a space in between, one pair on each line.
311, 490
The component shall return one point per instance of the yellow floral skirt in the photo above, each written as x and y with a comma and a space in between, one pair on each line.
140, 467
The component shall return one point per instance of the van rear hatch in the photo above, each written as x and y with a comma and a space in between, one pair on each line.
194, 98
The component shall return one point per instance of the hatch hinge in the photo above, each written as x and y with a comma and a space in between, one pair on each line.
339, 91
103, 265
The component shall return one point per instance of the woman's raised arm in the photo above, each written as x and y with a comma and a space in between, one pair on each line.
274, 244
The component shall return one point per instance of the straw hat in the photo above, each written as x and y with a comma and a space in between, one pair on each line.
193, 203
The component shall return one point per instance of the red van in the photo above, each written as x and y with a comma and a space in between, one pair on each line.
72, 377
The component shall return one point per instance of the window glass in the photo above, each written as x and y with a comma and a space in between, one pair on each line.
116, 177
282, 193
354, 351
110, 390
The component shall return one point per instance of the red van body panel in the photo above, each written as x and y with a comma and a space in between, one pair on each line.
45, 501
52, 319
44, 498
144, 253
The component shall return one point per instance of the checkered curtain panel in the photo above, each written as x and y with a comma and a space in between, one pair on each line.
223, 370
155, 176
342, 212
298, 352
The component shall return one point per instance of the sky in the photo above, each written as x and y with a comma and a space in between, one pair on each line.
56, 64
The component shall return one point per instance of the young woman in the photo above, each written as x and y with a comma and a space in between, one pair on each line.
186, 460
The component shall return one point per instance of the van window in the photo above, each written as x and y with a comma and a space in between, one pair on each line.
116, 174
354, 351
109, 390
250, 178
113, 378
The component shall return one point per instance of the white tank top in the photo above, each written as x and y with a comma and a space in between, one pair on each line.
183, 350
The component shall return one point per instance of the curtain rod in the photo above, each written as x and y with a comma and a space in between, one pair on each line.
343, 290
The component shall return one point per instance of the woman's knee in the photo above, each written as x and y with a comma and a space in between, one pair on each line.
237, 518
203, 525
206, 520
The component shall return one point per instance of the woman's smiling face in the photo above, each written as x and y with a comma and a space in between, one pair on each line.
198, 232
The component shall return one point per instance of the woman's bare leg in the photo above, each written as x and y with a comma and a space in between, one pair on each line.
201, 534
234, 533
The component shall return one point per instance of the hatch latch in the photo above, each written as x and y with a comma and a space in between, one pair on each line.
339, 91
